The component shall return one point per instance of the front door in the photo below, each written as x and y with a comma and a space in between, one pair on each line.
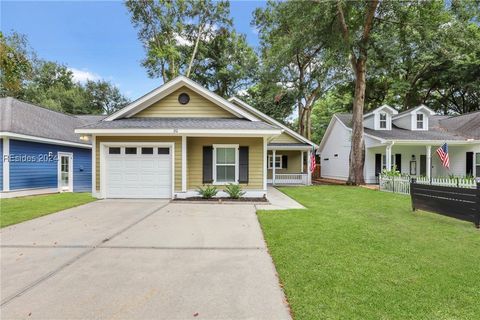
65, 174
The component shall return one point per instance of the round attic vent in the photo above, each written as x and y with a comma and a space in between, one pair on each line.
183, 98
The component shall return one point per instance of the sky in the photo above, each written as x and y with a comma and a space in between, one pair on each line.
96, 39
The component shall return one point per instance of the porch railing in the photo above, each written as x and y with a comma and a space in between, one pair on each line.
401, 184
290, 178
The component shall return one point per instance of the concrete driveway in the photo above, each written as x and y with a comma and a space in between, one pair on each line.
128, 259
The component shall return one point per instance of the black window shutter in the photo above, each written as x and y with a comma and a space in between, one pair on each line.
207, 164
398, 162
469, 164
284, 162
378, 164
243, 165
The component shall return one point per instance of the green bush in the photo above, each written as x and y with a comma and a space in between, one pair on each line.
208, 192
234, 191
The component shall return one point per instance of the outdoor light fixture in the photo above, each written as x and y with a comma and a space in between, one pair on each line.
84, 138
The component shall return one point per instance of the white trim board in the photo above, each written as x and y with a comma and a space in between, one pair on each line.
169, 87
6, 164
18, 136
176, 132
272, 121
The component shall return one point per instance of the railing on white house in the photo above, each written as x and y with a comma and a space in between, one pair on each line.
401, 184
289, 178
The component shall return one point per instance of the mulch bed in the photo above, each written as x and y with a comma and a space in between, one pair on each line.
217, 200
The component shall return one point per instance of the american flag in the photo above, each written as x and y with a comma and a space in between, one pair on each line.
443, 154
313, 164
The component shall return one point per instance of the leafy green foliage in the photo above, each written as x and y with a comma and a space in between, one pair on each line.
207, 192
234, 191
356, 253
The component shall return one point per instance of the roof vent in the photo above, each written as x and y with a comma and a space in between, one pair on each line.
183, 98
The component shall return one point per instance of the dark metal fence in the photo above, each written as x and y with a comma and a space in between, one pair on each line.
460, 203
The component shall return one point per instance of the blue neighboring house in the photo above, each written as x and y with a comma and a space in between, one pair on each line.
41, 152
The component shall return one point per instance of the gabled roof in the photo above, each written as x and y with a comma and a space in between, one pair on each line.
169, 87
26, 119
409, 111
272, 121
441, 128
385, 106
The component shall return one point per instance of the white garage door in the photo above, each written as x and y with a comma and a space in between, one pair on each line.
138, 172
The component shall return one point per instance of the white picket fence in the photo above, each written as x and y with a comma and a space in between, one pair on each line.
402, 184
449, 182
395, 184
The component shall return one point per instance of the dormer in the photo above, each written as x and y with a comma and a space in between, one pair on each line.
415, 119
380, 118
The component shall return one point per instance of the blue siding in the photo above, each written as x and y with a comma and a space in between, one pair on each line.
40, 171
1, 165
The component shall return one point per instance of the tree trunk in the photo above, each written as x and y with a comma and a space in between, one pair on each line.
195, 49
357, 152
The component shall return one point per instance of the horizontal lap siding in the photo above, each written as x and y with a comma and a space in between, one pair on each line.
139, 139
285, 138
198, 107
195, 161
43, 173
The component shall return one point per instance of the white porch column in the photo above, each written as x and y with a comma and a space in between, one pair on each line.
273, 166
6, 164
388, 160
301, 162
309, 164
429, 161
265, 163
94, 166
184, 163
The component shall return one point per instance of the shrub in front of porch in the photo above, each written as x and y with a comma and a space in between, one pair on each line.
234, 191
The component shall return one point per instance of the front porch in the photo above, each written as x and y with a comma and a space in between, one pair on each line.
288, 164
421, 161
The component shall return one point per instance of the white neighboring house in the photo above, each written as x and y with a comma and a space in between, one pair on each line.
407, 141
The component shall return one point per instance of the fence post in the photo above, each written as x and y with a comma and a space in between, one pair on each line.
412, 182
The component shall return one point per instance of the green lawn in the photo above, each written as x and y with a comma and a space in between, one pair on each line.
363, 254
16, 210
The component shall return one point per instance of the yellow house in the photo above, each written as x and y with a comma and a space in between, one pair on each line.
182, 136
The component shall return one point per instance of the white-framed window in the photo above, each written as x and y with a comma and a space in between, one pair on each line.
225, 163
477, 164
383, 120
384, 160
278, 161
420, 121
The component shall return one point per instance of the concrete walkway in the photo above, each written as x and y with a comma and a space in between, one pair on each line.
279, 201
145, 259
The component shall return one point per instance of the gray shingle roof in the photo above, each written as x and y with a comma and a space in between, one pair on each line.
440, 128
181, 123
25, 118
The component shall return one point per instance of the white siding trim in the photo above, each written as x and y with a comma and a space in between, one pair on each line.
25, 137
184, 163
6, 164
